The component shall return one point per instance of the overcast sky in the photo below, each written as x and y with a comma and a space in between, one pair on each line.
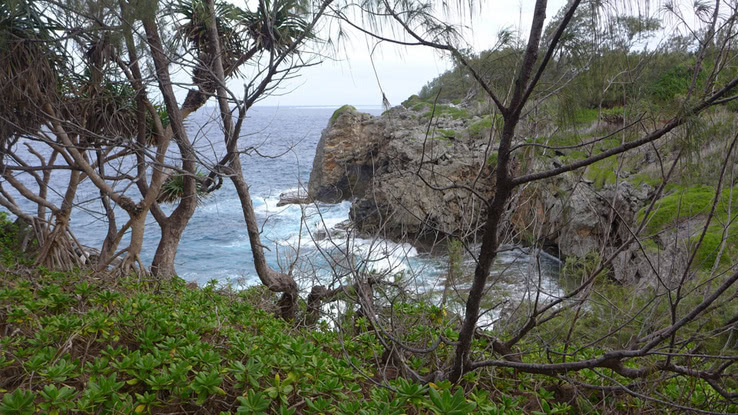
402, 71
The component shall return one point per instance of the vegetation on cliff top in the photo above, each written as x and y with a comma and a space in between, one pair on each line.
340, 111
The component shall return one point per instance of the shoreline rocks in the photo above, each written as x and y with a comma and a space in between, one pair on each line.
391, 170
413, 180
295, 197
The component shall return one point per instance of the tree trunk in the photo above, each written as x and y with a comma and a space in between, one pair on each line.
503, 191
173, 227
487, 255
57, 252
274, 280
166, 251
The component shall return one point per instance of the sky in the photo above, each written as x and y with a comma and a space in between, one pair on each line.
402, 71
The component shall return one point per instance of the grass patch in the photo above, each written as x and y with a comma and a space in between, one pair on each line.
480, 128
603, 172
340, 111
586, 116
492, 160
710, 248
644, 178
692, 202
448, 111
685, 202
443, 135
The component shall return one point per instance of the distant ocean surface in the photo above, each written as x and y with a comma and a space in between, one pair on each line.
215, 244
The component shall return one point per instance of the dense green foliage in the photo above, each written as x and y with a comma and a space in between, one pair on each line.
89, 345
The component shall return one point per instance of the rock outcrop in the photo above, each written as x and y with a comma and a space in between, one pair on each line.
409, 180
392, 166
577, 218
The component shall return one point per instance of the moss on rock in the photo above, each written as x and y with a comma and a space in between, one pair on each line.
337, 113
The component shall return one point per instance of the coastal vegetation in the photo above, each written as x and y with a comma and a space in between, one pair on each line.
85, 344
574, 133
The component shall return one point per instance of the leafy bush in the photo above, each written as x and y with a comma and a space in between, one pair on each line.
675, 81
161, 347
82, 345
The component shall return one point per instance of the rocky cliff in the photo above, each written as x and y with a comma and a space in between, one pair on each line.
392, 168
412, 179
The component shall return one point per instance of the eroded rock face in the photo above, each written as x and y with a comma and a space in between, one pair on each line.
346, 157
579, 219
582, 219
393, 171
407, 183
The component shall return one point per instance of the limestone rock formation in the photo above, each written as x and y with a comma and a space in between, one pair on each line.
392, 166
412, 178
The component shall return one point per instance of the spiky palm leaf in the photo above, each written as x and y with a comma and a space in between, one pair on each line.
193, 33
29, 62
273, 27
173, 188
275, 24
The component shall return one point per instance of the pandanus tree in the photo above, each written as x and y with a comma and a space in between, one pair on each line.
243, 35
275, 30
39, 88
30, 61
242, 38
102, 111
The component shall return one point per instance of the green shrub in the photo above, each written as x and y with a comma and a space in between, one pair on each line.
446, 110
675, 81
153, 347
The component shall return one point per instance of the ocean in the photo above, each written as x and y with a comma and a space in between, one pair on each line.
281, 144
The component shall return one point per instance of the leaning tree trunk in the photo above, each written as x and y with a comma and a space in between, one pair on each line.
274, 280
173, 227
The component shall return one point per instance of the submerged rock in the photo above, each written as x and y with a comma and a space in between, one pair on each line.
295, 197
